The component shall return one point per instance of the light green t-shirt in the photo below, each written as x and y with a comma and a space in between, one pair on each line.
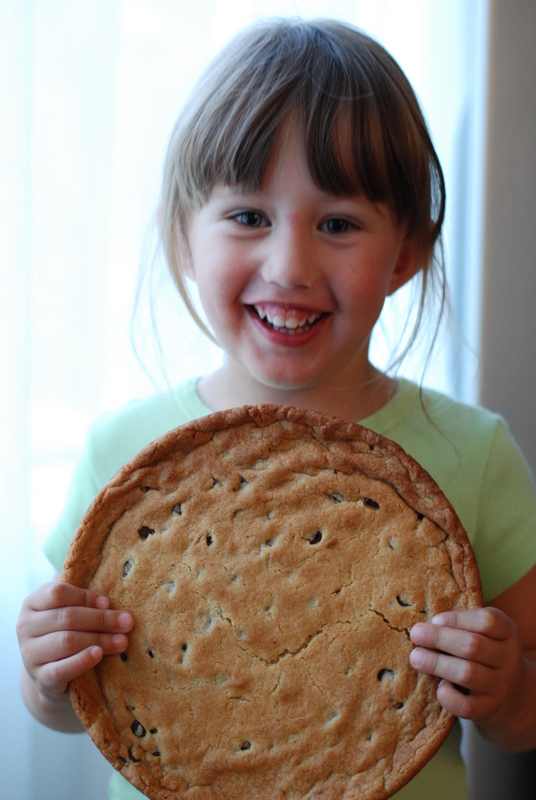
468, 451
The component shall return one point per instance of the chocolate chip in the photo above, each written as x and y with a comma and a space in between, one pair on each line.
371, 503
153, 731
316, 538
130, 755
385, 673
123, 760
150, 653
402, 602
336, 497
184, 647
269, 542
123, 656
420, 517
146, 488
156, 753
243, 482
209, 539
331, 542
177, 509
127, 567
398, 706
145, 532
246, 746
138, 729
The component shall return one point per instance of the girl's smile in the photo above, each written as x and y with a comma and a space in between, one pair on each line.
286, 326
292, 279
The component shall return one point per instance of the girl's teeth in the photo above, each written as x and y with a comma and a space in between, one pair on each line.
279, 321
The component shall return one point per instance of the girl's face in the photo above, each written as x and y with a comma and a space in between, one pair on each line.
293, 279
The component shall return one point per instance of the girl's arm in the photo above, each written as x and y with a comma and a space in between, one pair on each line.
63, 632
486, 658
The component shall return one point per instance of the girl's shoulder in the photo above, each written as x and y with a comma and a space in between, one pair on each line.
447, 437
472, 456
440, 414
443, 434
112, 440
116, 436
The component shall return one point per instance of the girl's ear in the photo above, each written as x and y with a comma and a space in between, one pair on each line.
410, 260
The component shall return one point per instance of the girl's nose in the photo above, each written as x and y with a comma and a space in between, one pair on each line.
291, 260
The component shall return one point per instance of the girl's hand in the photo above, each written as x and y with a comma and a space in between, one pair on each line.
485, 676
63, 632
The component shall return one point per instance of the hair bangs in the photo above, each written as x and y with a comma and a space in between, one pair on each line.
359, 138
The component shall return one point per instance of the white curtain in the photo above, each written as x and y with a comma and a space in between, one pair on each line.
89, 90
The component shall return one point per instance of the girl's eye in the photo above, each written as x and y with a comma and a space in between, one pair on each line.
337, 225
251, 219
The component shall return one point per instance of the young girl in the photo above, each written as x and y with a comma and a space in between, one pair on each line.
300, 190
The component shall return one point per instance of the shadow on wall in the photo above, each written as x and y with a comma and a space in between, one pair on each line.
52, 751
495, 775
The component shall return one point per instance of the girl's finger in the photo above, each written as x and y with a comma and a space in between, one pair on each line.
488, 621
468, 674
54, 677
63, 645
58, 595
460, 643
76, 618
466, 706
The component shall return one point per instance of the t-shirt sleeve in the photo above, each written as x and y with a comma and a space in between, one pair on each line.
505, 536
82, 490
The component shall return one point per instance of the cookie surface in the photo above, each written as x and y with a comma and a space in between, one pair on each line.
274, 561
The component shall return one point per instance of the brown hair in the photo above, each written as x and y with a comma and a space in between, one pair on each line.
362, 128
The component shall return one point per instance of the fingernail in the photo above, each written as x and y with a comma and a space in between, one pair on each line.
417, 633
439, 619
124, 620
120, 641
416, 658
